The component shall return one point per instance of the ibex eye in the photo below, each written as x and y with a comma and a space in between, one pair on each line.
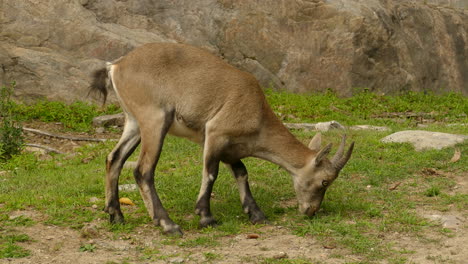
325, 183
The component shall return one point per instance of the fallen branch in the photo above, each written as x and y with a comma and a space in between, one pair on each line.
45, 133
395, 186
48, 149
406, 115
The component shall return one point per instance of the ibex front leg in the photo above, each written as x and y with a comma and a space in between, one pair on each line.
210, 173
152, 136
248, 202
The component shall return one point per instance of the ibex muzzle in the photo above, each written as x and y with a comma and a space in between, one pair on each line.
185, 91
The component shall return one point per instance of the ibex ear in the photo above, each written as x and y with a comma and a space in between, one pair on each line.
323, 153
316, 142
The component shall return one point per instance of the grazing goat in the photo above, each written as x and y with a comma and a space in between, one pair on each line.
188, 92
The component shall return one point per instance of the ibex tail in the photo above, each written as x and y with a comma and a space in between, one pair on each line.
101, 83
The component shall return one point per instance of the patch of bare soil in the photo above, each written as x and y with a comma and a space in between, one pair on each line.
434, 247
449, 246
53, 244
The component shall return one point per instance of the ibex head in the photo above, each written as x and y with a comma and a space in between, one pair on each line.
312, 181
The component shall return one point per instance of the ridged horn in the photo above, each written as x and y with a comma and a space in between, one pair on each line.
340, 151
342, 162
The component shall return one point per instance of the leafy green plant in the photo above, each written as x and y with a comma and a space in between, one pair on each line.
11, 133
432, 191
87, 248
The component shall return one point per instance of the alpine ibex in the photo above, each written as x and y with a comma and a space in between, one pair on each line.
188, 92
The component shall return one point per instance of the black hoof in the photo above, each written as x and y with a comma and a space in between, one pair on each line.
208, 221
258, 218
116, 218
173, 231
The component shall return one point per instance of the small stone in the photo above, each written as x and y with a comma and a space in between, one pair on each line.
100, 130
177, 260
89, 231
280, 255
450, 221
130, 164
93, 199
94, 206
447, 221
109, 120
326, 126
128, 187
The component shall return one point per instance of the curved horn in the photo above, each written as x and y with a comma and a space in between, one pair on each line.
339, 152
342, 162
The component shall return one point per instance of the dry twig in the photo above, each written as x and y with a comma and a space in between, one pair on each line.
48, 149
45, 133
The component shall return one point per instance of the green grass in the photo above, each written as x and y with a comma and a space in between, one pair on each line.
10, 239
74, 117
358, 210
369, 108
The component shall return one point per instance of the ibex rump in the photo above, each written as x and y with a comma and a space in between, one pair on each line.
185, 91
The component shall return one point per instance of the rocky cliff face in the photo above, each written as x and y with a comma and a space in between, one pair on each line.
50, 47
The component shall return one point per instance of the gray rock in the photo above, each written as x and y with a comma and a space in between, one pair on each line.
302, 46
93, 199
325, 126
422, 140
177, 260
100, 130
128, 187
369, 127
89, 231
447, 221
321, 126
130, 164
109, 120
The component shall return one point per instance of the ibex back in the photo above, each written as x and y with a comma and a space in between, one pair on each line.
185, 91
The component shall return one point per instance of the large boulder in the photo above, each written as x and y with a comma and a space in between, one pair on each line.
51, 47
422, 140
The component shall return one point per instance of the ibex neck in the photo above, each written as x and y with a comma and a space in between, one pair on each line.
278, 145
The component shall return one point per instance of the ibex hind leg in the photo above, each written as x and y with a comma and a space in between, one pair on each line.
153, 132
249, 205
125, 147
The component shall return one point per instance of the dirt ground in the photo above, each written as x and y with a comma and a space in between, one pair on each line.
53, 244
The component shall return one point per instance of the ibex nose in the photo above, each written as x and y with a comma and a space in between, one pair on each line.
308, 210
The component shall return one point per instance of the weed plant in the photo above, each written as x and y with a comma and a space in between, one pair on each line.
11, 133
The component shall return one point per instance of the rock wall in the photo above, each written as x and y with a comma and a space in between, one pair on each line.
50, 47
